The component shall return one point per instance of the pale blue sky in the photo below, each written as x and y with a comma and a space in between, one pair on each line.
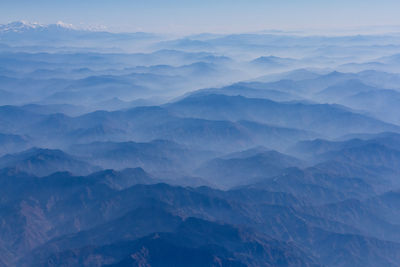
185, 16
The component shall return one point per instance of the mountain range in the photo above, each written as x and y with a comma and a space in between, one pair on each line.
270, 148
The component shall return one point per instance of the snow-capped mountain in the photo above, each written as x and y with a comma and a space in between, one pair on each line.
37, 35
19, 26
24, 26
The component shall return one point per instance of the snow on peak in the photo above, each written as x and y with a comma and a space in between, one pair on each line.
65, 25
19, 26
23, 26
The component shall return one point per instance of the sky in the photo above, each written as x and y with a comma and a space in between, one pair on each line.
195, 16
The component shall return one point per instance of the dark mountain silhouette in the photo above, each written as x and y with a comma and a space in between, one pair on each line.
12, 143
337, 92
43, 162
244, 168
158, 156
326, 119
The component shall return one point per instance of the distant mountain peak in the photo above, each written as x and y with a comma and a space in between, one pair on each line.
25, 26
65, 25
19, 26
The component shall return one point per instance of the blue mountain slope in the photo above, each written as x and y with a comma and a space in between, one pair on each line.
43, 162
244, 168
329, 120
